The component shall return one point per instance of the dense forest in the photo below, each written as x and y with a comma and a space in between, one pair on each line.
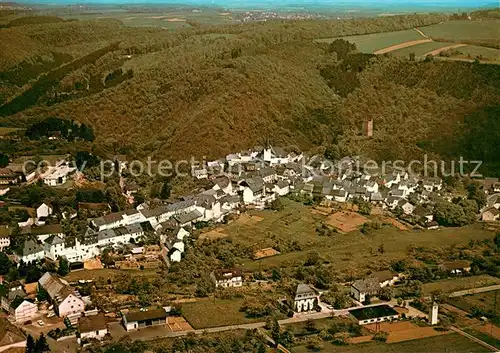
207, 91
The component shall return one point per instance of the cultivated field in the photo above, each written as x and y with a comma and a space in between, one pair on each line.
464, 30
484, 301
484, 53
420, 49
171, 20
369, 43
446, 343
460, 283
346, 221
293, 233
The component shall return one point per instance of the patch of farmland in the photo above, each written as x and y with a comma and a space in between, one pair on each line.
369, 43
420, 49
473, 51
464, 30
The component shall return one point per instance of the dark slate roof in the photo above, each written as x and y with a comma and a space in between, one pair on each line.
31, 247
369, 285
188, 217
373, 312
146, 315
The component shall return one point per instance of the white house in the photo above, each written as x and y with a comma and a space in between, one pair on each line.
275, 155
4, 241
253, 190
92, 327
281, 188
362, 288
32, 251
143, 319
374, 314
57, 175
22, 310
305, 298
66, 300
43, 211
406, 206
227, 278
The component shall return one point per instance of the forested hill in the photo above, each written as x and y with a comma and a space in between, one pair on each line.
208, 91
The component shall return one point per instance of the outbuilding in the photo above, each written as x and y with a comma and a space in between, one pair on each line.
141, 319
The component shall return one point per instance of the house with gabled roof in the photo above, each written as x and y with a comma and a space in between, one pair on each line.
305, 298
66, 299
253, 189
275, 155
491, 214
362, 288
31, 251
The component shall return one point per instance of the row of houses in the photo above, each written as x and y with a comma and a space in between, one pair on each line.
50, 242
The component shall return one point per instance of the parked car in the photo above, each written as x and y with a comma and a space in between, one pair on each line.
40, 323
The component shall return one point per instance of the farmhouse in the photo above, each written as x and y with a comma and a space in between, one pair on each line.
456, 267
373, 314
227, 278
362, 288
305, 298
141, 319
92, 327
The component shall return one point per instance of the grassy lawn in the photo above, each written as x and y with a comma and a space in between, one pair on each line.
445, 343
207, 313
350, 252
460, 283
369, 43
484, 301
464, 30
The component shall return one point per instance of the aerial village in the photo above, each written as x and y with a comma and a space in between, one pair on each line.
256, 179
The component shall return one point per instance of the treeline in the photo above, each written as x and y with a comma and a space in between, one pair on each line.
60, 128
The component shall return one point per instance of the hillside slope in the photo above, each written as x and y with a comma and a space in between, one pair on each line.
209, 91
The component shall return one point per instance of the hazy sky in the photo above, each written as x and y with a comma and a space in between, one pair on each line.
455, 4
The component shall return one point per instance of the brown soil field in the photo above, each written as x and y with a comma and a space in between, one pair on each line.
489, 329
178, 324
259, 254
401, 46
248, 219
395, 223
391, 327
213, 234
346, 221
